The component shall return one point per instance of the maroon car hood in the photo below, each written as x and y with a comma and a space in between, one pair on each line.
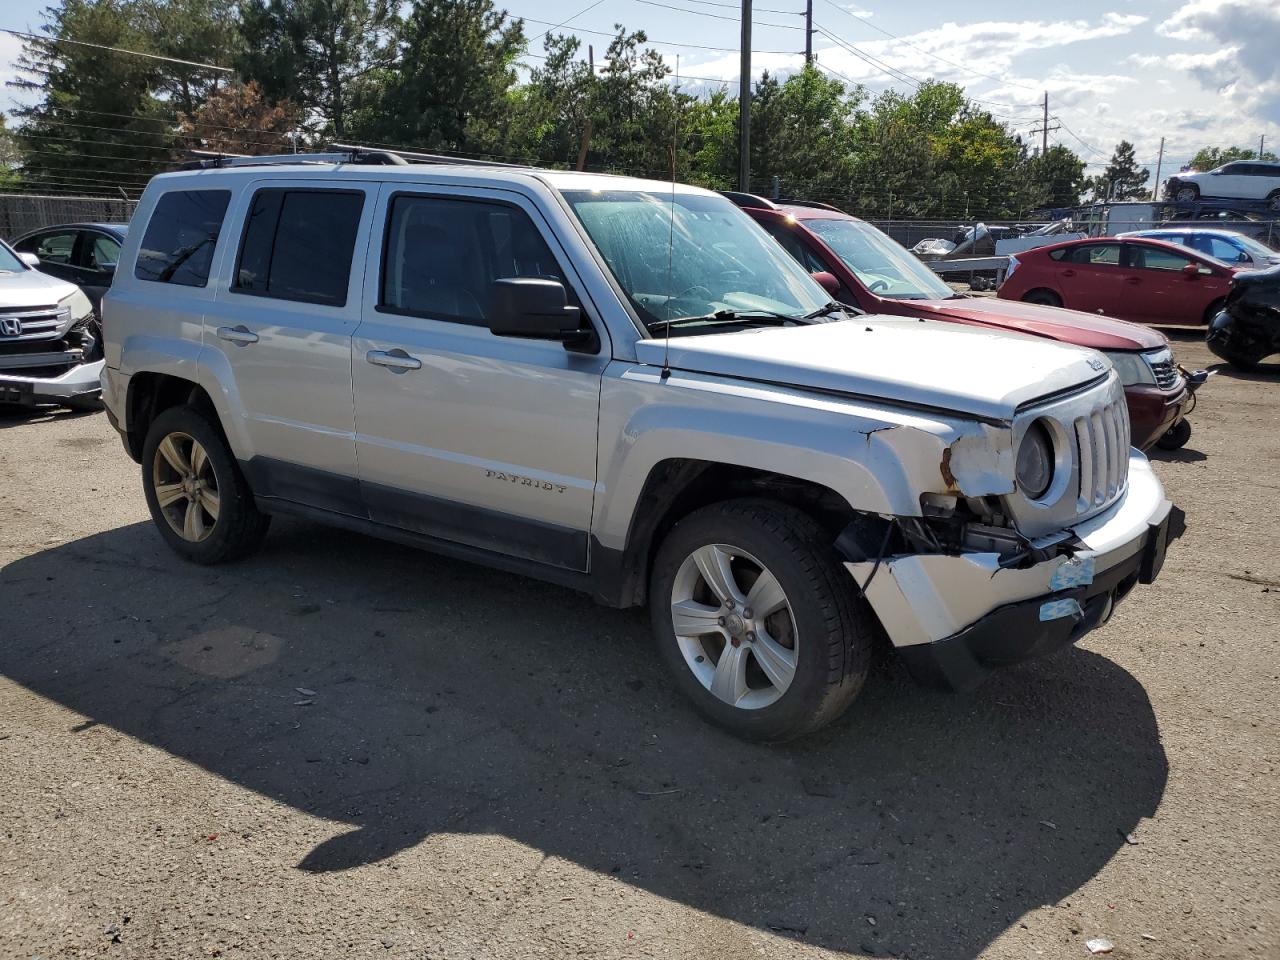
1069, 326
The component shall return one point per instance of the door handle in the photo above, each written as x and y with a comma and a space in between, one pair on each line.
1068, 273
1133, 281
239, 334
396, 359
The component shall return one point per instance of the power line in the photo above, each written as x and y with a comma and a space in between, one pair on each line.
717, 16
566, 22
661, 43
135, 53
884, 67
952, 63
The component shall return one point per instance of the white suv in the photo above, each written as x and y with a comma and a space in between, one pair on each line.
1239, 180
627, 388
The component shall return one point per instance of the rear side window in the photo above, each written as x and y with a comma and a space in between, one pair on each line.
298, 245
1096, 254
178, 245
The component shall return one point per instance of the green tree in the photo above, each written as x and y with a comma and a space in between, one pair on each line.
1210, 158
453, 68
1122, 179
317, 54
97, 123
1058, 176
199, 31
10, 157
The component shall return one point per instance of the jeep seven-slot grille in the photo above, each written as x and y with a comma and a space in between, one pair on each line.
1164, 370
1102, 441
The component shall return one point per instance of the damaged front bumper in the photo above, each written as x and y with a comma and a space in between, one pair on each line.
955, 618
77, 382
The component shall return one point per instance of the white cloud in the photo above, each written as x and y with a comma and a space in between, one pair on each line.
1240, 40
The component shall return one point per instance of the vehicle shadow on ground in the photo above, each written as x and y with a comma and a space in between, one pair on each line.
442, 697
12, 415
1181, 455
1263, 372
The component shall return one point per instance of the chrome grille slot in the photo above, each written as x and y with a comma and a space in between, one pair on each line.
37, 323
1102, 448
1165, 373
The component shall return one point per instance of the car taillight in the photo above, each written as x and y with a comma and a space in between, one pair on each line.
1014, 263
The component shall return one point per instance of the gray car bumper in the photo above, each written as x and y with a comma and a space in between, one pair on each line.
80, 382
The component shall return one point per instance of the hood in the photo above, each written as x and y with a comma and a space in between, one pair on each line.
1068, 326
967, 370
31, 288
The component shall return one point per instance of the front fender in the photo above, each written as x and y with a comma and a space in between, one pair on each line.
879, 459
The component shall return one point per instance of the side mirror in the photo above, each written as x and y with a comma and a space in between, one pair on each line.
535, 309
827, 281
30, 259
1193, 270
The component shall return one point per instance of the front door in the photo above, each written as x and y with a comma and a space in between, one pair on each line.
1157, 288
462, 435
279, 331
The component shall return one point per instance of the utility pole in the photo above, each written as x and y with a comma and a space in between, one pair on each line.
1155, 187
591, 59
744, 103
808, 32
1261, 140
1044, 127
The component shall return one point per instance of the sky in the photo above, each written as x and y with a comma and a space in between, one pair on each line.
1196, 72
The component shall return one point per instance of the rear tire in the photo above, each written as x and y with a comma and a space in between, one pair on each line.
1176, 437
198, 497
1046, 297
817, 634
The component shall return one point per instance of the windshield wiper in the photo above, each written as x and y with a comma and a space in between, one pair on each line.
835, 306
729, 318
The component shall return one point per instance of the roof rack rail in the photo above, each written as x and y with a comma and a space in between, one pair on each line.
412, 156
810, 203
209, 159
750, 200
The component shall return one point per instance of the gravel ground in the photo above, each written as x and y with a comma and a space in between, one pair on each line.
347, 748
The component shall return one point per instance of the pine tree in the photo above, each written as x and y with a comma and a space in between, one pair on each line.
1122, 179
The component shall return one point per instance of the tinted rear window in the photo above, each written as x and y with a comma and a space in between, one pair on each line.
178, 245
298, 245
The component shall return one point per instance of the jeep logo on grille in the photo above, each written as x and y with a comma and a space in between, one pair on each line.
10, 327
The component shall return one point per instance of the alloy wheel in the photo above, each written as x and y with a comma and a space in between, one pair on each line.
186, 486
735, 626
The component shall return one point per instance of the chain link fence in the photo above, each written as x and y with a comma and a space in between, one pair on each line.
20, 212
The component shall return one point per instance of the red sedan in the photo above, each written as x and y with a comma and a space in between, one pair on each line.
1146, 281
864, 267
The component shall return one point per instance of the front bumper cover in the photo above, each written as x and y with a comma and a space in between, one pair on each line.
80, 381
955, 618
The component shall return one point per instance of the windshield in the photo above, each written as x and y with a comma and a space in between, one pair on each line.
710, 258
1256, 248
9, 262
884, 267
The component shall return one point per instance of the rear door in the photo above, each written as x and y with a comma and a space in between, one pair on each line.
1156, 290
1089, 277
465, 436
279, 332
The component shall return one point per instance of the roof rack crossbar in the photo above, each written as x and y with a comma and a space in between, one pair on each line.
413, 156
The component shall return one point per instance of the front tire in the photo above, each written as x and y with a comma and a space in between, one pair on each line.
758, 622
1187, 194
1176, 437
1273, 201
199, 499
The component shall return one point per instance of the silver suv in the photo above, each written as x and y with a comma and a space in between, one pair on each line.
627, 388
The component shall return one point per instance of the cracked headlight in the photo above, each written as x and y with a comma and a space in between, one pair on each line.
1133, 368
1034, 467
75, 305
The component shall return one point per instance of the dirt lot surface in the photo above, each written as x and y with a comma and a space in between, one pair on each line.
344, 748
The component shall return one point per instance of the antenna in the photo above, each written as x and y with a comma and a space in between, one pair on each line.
671, 223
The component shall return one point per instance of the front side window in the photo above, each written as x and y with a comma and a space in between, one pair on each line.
1154, 258
442, 256
692, 255
52, 247
9, 262
183, 230
885, 267
298, 245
